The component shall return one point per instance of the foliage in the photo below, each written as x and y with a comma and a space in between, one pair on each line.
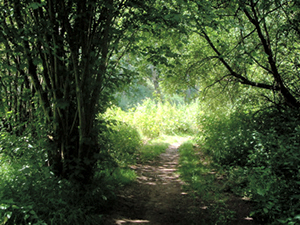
260, 152
152, 150
32, 194
274, 166
134, 95
228, 136
226, 43
153, 119
61, 62
197, 171
139, 91
123, 143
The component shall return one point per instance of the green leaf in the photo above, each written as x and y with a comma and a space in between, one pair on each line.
35, 5
261, 192
9, 201
36, 61
297, 217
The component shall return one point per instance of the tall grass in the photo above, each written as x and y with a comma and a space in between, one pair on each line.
153, 119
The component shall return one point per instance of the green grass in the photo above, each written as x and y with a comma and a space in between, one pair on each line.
118, 177
154, 147
158, 124
195, 171
151, 150
202, 179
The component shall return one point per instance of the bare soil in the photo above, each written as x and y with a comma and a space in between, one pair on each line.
157, 198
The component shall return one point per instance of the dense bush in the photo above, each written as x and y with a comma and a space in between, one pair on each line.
227, 137
124, 142
262, 150
274, 166
31, 194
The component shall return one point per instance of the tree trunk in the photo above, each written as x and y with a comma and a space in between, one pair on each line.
155, 80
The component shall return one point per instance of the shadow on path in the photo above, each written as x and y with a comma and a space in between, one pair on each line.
157, 198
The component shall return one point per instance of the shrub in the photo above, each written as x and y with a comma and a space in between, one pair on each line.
227, 137
263, 148
275, 166
31, 194
124, 142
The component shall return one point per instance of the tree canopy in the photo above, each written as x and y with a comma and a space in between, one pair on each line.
253, 43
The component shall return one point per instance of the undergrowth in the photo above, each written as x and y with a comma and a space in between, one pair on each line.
251, 154
260, 153
152, 150
31, 194
202, 179
153, 119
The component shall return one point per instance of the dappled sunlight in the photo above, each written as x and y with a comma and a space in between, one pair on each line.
164, 171
159, 196
126, 221
248, 218
167, 170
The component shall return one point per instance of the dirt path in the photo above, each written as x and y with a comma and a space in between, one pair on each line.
157, 197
